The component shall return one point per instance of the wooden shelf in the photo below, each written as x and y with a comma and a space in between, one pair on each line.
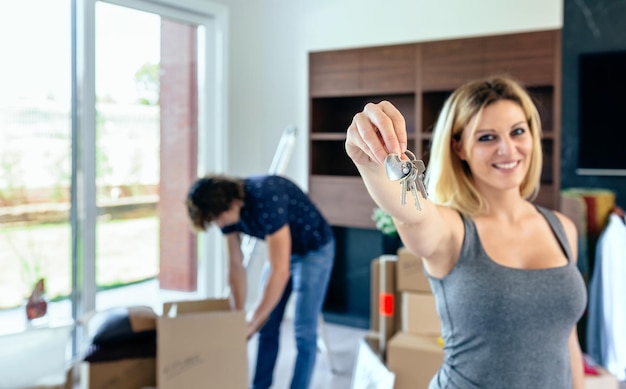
418, 78
329, 136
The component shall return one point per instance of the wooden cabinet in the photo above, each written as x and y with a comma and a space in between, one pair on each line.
417, 78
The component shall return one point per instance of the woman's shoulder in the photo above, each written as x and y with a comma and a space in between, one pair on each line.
565, 221
567, 224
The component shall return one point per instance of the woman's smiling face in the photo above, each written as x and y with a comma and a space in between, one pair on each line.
497, 145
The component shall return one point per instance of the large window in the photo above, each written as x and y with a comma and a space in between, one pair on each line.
35, 151
106, 111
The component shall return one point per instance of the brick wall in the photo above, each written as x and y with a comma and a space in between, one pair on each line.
179, 129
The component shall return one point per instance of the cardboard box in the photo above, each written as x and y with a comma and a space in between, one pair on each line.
413, 359
384, 308
201, 343
410, 273
369, 369
123, 374
419, 314
605, 380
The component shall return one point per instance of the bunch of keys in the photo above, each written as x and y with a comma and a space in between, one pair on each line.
410, 174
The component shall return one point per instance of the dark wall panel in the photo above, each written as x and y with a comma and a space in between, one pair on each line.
348, 298
588, 26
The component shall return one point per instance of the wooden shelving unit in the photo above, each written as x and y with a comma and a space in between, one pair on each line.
417, 78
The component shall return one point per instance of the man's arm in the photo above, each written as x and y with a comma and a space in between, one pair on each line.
279, 250
236, 272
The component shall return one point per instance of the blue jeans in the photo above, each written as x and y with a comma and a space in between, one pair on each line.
310, 274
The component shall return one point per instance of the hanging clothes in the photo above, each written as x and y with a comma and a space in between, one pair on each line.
606, 327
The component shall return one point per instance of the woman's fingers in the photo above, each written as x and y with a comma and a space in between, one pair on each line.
356, 147
377, 131
396, 140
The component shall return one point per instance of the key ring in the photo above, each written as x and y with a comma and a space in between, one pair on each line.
410, 174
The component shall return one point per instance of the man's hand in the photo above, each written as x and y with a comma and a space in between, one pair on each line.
253, 327
250, 330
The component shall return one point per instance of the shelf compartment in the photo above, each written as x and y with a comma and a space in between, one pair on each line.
543, 97
329, 157
547, 171
334, 114
432, 102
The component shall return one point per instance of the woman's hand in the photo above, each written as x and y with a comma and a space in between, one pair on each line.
375, 132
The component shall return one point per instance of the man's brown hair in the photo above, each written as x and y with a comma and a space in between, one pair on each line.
211, 195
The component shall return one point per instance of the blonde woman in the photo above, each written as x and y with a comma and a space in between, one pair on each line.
502, 269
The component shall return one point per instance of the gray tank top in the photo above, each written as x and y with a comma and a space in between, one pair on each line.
507, 328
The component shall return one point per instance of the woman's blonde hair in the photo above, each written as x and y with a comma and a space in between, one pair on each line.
448, 178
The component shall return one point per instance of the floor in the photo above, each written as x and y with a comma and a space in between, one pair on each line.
342, 343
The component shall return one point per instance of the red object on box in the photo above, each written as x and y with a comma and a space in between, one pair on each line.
589, 369
385, 305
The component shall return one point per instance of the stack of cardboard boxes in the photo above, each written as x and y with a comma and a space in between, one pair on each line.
404, 320
415, 352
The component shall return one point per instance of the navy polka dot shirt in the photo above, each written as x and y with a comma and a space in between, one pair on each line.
271, 202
